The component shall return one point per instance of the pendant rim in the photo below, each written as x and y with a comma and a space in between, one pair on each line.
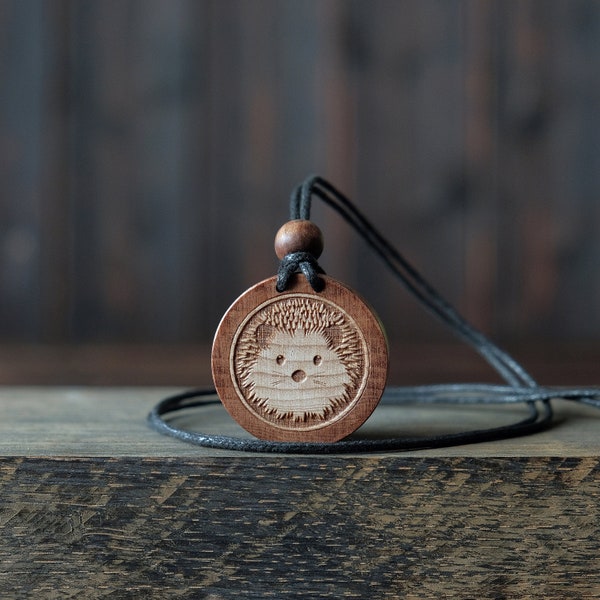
312, 427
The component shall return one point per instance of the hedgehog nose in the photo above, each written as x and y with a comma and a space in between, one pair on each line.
299, 376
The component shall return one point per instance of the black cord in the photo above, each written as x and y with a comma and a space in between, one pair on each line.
299, 261
537, 420
508, 368
521, 389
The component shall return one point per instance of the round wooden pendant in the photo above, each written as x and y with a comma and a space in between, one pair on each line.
300, 365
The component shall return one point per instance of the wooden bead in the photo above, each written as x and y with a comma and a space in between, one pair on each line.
299, 236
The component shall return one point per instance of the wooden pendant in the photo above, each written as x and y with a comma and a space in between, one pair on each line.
300, 366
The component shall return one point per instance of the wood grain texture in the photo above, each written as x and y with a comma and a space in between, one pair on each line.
298, 236
299, 365
291, 528
96, 505
73, 422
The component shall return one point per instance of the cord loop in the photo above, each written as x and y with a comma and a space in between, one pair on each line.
521, 388
299, 261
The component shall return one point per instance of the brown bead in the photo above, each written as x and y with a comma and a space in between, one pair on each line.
299, 236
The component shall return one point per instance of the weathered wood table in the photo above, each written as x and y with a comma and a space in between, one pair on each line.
95, 504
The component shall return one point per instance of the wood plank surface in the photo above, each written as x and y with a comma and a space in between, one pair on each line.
89, 422
96, 505
148, 150
289, 528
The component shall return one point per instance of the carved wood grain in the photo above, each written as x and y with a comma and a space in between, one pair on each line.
300, 366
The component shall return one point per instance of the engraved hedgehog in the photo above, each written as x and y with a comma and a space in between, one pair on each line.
300, 360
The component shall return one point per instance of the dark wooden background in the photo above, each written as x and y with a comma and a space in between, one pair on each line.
148, 148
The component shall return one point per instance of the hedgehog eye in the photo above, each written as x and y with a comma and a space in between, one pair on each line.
317, 360
280, 359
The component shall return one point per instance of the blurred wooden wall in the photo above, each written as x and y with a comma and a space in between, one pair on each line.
148, 148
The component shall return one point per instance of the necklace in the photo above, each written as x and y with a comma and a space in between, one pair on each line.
300, 360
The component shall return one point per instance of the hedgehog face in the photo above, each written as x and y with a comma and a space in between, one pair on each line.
294, 373
299, 361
